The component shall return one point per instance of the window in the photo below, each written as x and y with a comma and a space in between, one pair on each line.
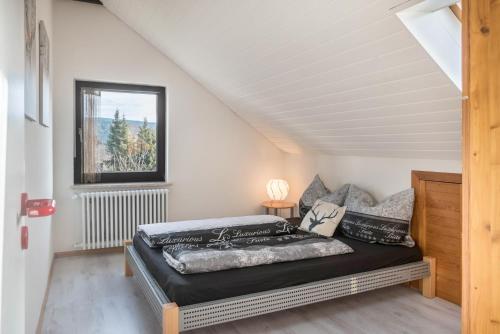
438, 30
120, 133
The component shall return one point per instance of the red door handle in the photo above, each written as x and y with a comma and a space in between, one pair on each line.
37, 207
24, 237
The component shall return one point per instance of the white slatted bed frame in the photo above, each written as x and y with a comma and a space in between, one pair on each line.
176, 319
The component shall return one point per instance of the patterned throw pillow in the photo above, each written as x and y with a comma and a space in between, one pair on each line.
317, 190
387, 222
323, 218
314, 191
338, 196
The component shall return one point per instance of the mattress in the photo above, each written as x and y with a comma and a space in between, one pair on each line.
197, 288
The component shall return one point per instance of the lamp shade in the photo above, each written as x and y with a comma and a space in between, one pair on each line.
277, 189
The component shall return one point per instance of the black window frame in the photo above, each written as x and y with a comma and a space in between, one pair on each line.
125, 177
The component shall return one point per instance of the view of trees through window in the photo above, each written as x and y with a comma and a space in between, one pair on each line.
126, 133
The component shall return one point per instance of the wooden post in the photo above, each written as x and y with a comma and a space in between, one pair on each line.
481, 166
170, 318
127, 270
429, 283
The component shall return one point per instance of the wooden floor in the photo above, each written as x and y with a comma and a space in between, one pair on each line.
89, 294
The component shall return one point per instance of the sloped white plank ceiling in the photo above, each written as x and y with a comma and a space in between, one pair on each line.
334, 76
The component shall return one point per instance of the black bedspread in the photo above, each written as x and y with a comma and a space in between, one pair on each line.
197, 288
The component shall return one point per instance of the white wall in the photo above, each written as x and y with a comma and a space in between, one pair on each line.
299, 172
380, 176
217, 163
28, 160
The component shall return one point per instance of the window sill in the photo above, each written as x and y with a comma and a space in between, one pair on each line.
120, 186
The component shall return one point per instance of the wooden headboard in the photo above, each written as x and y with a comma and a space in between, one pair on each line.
437, 227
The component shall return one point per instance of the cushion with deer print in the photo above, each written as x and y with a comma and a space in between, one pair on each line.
323, 218
384, 222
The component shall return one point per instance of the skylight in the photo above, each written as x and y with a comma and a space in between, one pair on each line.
438, 30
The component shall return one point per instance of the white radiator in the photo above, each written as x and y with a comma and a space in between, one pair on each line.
110, 217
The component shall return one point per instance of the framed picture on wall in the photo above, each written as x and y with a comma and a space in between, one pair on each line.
30, 76
44, 76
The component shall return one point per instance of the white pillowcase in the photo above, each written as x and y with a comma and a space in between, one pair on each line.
323, 218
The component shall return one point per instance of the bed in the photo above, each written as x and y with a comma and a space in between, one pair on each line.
185, 302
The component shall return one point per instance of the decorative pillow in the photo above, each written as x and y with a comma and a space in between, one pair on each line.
323, 218
387, 222
314, 191
338, 196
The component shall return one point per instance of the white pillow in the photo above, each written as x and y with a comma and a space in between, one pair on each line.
323, 218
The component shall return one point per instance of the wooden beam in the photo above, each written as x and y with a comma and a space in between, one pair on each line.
457, 11
437, 176
127, 270
465, 169
481, 166
170, 318
429, 283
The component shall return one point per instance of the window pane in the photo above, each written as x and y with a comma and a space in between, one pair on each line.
120, 133
126, 132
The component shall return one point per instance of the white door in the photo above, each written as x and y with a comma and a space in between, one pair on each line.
12, 168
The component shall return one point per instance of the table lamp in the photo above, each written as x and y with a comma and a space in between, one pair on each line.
277, 189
